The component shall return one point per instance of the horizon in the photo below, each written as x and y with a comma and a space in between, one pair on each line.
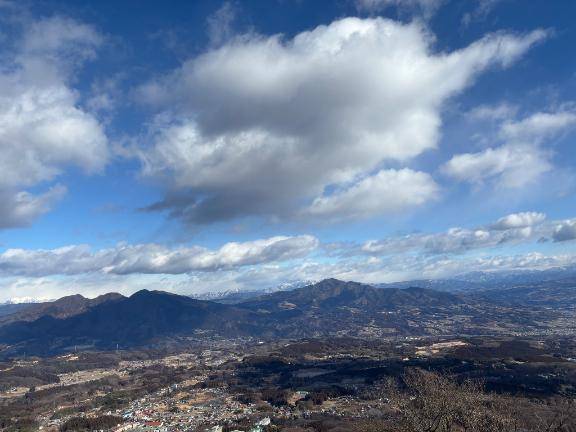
235, 146
212, 295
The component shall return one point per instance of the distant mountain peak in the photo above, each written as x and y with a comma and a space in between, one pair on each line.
141, 293
330, 306
236, 295
64, 307
334, 293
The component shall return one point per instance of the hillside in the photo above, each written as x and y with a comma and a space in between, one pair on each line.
332, 294
327, 308
558, 294
127, 321
62, 308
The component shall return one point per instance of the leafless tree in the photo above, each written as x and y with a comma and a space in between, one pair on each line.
435, 403
559, 416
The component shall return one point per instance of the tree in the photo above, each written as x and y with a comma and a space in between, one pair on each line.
434, 403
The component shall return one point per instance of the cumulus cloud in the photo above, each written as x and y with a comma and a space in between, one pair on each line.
267, 254
528, 261
266, 125
43, 130
520, 160
511, 229
271, 262
23, 289
388, 269
21, 209
455, 240
510, 166
406, 267
388, 191
538, 127
565, 231
519, 220
152, 258
371, 270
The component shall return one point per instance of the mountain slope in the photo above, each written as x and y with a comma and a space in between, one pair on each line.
233, 297
330, 307
62, 308
334, 307
333, 293
12, 308
131, 321
558, 294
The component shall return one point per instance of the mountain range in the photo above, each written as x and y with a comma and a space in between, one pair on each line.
463, 283
329, 307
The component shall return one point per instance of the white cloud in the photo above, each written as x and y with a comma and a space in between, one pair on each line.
509, 166
455, 240
20, 209
538, 127
502, 111
26, 289
60, 40
107, 95
521, 160
263, 253
511, 229
220, 23
405, 268
42, 131
565, 231
386, 192
270, 262
391, 269
42, 128
519, 220
264, 125
152, 258
481, 11
528, 261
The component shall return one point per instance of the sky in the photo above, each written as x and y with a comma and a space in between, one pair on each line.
196, 146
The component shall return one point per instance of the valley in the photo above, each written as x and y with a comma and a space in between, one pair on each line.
328, 384
331, 356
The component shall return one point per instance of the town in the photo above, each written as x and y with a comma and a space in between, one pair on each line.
258, 386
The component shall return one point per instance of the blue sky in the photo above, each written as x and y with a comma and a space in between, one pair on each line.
195, 146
